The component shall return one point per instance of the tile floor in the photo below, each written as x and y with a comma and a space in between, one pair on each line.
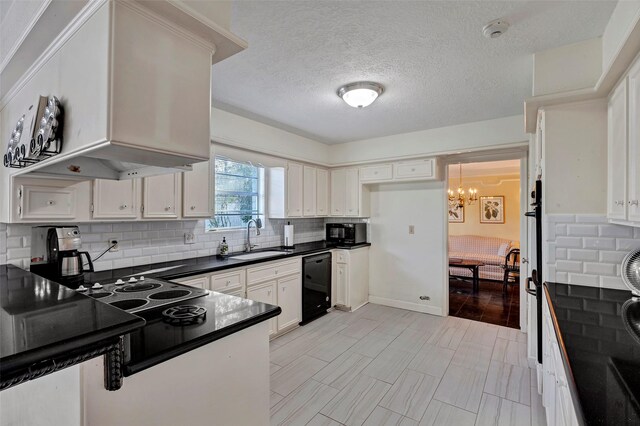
489, 305
387, 366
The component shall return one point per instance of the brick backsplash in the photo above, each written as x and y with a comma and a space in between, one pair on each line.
587, 250
158, 241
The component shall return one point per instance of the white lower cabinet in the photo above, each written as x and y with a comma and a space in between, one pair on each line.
290, 301
286, 278
351, 278
199, 282
265, 293
556, 396
228, 281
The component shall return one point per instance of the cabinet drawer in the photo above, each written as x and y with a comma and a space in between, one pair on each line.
271, 271
43, 202
237, 293
376, 173
230, 281
200, 282
342, 257
414, 169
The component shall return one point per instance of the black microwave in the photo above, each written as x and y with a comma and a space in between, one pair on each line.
347, 234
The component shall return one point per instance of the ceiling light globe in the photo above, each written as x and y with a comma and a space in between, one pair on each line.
361, 94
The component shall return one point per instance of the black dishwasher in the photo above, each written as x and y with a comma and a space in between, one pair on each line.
316, 286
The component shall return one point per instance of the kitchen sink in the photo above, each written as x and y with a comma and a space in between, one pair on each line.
257, 255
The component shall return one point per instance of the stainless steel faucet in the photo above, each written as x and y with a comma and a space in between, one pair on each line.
258, 222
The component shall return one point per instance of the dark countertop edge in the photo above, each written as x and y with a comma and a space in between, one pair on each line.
131, 369
573, 389
29, 357
245, 263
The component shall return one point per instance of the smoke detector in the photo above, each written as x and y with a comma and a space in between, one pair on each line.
495, 29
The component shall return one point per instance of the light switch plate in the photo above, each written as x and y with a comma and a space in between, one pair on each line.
189, 238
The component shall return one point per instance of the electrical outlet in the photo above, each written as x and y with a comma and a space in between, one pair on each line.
115, 247
189, 238
412, 229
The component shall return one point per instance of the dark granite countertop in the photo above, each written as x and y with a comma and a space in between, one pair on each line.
202, 265
599, 335
40, 319
160, 341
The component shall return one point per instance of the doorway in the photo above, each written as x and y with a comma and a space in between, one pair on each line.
484, 233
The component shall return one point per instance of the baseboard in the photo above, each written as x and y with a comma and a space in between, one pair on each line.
405, 305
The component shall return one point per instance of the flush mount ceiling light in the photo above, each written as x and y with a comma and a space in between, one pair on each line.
495, 28
360, 94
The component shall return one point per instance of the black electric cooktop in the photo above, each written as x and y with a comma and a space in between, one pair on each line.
600, 332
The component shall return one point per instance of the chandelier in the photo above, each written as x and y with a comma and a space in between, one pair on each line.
459, 198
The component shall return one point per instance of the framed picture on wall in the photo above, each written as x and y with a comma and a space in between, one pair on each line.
492, 209
456, 214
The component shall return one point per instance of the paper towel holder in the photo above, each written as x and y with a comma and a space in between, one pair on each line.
288, 236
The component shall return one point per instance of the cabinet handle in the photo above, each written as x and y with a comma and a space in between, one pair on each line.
633, 202
413, 170
228, 282
167, 208
619, 203
375, 173
276, 271
283, 289
122, 207
51, 203
193, 207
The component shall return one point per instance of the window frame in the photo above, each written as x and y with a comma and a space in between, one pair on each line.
261, 194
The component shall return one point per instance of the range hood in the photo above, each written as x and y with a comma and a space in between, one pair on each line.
134, 79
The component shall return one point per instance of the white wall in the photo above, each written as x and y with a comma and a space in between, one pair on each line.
570, 67
237, 131
402, 266
575, 158
623, 19
487, 134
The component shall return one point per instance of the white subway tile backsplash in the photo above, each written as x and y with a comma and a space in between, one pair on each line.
581, 230
569, 266
595, 268
569, 242
157, 241
584, 279
580, 254
599, 243
617, 231
587, 250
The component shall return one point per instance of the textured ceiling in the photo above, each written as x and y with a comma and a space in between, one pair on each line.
437, 67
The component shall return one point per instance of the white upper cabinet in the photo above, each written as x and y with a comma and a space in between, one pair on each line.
38, 200
623, 176
309, 191
634, 143
161, 197
617, 153
376, 173
352, 193
322, 192
196, 190
294, 190
115, 199
348, 196
415, 170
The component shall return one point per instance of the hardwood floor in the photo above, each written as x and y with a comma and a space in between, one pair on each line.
387, 366
489, 305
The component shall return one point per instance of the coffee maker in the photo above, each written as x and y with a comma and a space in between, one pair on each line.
55, 254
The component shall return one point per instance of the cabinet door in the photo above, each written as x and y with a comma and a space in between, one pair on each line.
43, 202
379, 172
322, 192
196, 189
265, 293
161, 195
294, 190
352, 198
309, 192
342, 284
617, 154
290, 300
338, 192
634, 143
115, 199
